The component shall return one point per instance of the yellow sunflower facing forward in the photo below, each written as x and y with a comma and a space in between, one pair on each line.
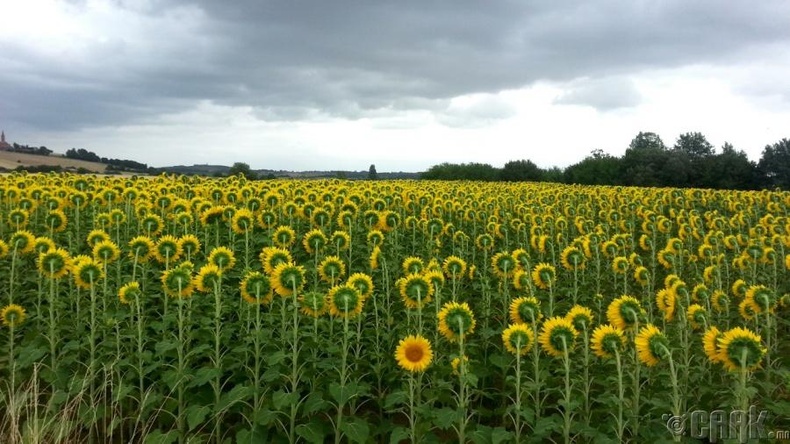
414, 353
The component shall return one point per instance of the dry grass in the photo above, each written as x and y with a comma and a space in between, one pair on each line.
12, 160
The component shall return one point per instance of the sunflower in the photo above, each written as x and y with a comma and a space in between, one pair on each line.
314, 241
414, 353
55, 263
271, 257
739, 288
709, 273
435, 278
3, 249
700, 293
152, 224
86, 272
344, 301
12, 315
719, 300
581, 317
242, 221
284, 236
710, 343
740, 348
363, 283
787, 261
106, 252
456, 363
256, 288
412, 265
762, 298
620, 265
331, 269
208, 278
96, 236
456, 320
610, 248
177, 281
624, 312
211, 215
266, 219
522, 280
697, 316
43, 244
748, 309
341, 240
641, 275
521, 256
286, 278
374, 258
557, 336
543, 275
22, 241
454, 267
572, 258
651, 345
415, 290
525, 310
667, 303
222, 257
129, 293
56, 220
375, 238
667, 258
167, 250
313, 303
518, 339
189, 245
607, 340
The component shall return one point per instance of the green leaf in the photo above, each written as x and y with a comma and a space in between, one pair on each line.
491, 435
399, 434
254, 436
163, 347
281, 399
237, 394
356, 429
501, 361
29, 355
196, 415
203, 376
275, 358
157, 437
313, 432
314, 403
444, 417
394, 399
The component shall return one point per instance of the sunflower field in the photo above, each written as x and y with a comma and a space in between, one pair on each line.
183, 309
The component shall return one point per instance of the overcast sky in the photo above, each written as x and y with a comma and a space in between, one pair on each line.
406, 84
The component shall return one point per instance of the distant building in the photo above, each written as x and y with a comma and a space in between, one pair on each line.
4, 146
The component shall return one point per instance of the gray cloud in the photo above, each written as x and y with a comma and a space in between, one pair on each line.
605, 94
292, 60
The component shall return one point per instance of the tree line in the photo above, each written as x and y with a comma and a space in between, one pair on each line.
692, 162
112, 164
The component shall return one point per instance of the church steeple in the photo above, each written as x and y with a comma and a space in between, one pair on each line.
2, 137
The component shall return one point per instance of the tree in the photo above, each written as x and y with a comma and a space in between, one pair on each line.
464, 171
598, 168
243, 169
647, 140
775, 164
372, 174
521, 170
694, 144
730, 170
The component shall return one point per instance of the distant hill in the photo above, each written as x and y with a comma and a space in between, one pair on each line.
10, 160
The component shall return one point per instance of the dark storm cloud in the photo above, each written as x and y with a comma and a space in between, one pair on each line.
344, 58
